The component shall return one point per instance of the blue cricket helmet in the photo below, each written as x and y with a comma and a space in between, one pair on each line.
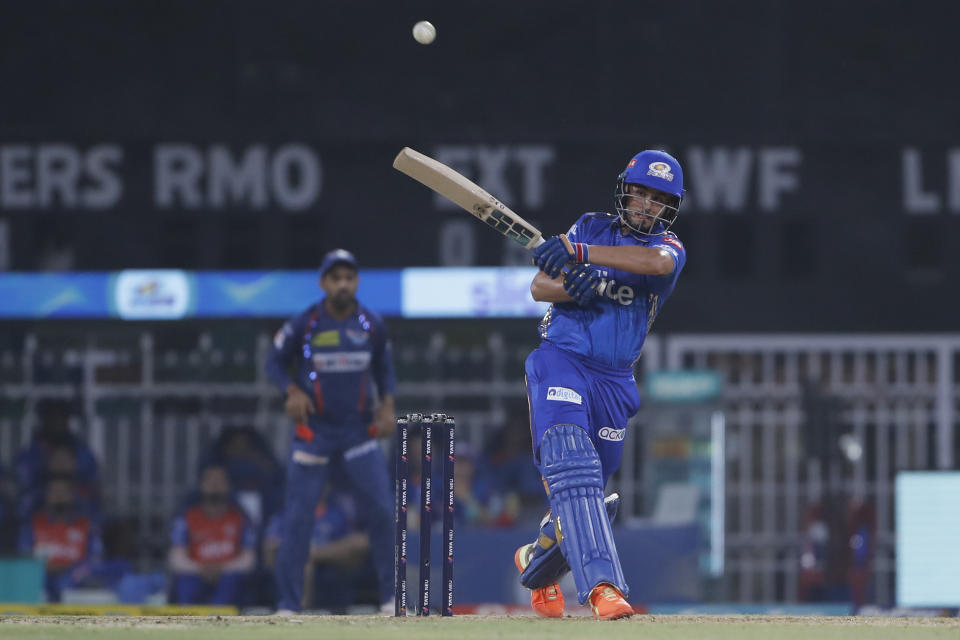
657, 170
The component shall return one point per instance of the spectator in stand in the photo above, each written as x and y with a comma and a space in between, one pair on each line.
213, 545
255, 475
61, 462
470, 495
514, 487
62, 533
33, 464
475, 502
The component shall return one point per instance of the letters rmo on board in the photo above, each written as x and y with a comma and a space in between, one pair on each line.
185, 176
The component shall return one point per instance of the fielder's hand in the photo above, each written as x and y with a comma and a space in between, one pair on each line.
556, 252
581, 282
383, 422
298, 404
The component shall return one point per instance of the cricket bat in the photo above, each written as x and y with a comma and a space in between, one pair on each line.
464, 193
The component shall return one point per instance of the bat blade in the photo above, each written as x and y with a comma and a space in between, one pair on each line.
467, 195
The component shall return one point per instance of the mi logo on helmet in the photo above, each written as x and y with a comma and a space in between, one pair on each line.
660, 170
611, 434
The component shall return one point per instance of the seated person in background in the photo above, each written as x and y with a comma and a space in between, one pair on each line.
255, 475
213, 545
33, 463
60, 462
515, 487
470, 495
65, 536
339, 557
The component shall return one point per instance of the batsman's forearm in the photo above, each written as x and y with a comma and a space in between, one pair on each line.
641, 260
547, 289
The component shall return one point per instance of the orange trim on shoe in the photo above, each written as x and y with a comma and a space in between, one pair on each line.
607, 603
548, 601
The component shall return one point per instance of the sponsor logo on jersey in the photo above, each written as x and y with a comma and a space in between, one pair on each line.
326, 339
660, 170
624, 294
215, 550
674, 242
611, 434
341, 361
562, 394
357, 337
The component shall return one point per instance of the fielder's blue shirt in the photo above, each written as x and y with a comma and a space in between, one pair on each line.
612, 329
341, 364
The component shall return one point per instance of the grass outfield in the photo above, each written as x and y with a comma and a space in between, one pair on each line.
479, 627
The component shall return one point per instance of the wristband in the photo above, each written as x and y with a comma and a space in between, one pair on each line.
581, 252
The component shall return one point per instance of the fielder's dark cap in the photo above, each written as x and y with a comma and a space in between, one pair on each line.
335, 257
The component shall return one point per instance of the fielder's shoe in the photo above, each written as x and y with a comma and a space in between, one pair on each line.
547, 601
607, 603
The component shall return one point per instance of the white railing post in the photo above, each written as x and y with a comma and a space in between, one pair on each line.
946, 403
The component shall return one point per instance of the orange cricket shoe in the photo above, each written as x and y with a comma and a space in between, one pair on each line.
547, 602
608, 603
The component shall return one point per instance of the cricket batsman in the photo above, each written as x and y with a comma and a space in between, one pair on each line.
343, 361
607, 278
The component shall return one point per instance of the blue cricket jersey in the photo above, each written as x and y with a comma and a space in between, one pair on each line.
341, 364
611, 330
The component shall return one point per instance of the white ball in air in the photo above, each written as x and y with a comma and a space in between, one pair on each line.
424, 32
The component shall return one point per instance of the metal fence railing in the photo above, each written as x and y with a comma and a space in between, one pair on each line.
151, 403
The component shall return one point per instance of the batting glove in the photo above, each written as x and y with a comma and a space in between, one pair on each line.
556, 252
581, 282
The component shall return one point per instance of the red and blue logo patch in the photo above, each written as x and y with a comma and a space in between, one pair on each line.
673, 242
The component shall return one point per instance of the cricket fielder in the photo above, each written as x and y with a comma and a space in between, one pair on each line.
607, 278
343, 360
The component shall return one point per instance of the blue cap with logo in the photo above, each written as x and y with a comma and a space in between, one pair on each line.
335, 257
